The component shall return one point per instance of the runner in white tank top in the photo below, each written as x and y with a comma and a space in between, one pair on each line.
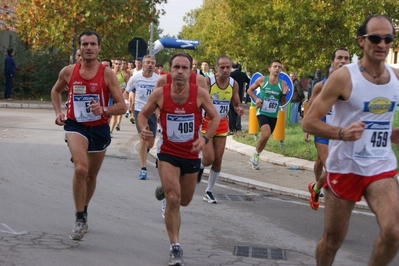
361, 162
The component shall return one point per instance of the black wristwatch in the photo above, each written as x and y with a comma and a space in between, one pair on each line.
206, 139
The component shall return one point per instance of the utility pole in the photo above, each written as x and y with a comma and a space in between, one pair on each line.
151, 48
151, 38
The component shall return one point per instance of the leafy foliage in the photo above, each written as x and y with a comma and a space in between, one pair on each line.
302, 34
7, 15
36, 72
57, 23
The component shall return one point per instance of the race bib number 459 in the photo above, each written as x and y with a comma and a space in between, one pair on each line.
375, 142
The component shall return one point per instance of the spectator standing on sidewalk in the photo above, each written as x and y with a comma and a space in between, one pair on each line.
339, 58
9, 72
86, 124
361, 161
272, 94
180, 104
242, 79
297, 98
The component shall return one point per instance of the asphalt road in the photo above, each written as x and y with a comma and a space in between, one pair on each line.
246, 227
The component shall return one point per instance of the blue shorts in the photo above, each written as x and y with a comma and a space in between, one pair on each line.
187, 166
98, 137
111, 101
321, 140
152, 123
263, 120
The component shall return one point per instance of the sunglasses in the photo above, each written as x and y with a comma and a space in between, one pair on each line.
376, 39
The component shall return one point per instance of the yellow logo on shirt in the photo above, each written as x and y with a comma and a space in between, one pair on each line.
379, 105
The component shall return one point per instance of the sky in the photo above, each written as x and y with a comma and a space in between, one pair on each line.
172, 21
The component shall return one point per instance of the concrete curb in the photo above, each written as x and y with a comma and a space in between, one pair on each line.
11, 104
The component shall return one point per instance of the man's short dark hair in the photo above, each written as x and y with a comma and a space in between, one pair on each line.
186, 55
235, 64
335, 52
9, 51
275, 61
220, 57
89, 33
159, 65
107, 60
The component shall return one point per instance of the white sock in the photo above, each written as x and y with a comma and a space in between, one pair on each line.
173, 244
213, 176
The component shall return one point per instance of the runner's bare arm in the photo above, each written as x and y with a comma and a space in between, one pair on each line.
59, 86
160, 82
258, 83
202, 82
283, 98
205, 103
316, 91
336, 87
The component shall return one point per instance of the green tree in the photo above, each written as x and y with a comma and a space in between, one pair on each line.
211, 25
7, 15
37, 72
302, 34
50, 23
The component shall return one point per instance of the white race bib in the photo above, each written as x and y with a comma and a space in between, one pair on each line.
269, 105
375, 141
180, 128
222, 107
80, 104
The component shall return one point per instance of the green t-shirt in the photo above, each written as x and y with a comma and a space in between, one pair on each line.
270, 96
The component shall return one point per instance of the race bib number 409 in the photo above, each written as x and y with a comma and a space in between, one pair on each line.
180, 128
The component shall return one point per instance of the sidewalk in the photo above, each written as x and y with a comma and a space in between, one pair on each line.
274, 175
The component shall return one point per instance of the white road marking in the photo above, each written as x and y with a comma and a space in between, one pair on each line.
10, 231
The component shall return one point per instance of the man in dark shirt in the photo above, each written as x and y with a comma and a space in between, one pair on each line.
241, 78
297, 98
317, 78
9, 73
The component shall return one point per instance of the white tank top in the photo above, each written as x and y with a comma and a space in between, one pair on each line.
374, 105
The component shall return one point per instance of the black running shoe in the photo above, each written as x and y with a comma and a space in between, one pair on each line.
200, 172
159, 193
